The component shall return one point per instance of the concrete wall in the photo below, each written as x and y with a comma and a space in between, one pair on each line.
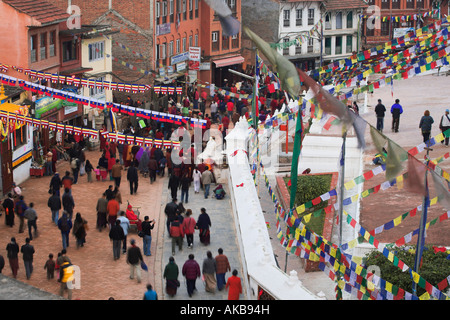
259, 263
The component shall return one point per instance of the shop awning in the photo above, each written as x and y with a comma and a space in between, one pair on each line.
228, 61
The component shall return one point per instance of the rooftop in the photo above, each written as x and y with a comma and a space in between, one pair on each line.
43, 11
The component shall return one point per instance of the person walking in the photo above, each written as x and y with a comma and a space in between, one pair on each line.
67, 182
79, 230
8, 205
50, 267
68, 202
116, 172
196, 176
133, 178
207, 179
116, 235
20, 207
425, 125
209, 270
150, 294
188, 227
222, 267
66, 275
65, 225
27, 251
12, 250
55, 183
185, 183
191, 271
31, 216
396, 111
112, 208
444, 125
88, 167
125, 224
234, 286
174, 184
170, 210
153, 168
171, 273
176, 232
203, 224
134, 259
102, 211
54, 203
147, 227
380, 111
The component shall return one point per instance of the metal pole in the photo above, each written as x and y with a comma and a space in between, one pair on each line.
341, 196
423, 220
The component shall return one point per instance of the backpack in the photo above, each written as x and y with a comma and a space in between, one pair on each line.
74, 163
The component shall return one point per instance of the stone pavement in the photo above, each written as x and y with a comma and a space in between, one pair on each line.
223, 235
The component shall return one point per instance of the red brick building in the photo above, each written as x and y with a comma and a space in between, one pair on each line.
398, 14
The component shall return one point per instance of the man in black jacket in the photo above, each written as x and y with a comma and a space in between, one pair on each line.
132, 177
134, 257
55, 183
54, 203
380, 110
68, 202
117, 235
171, 210
28, 251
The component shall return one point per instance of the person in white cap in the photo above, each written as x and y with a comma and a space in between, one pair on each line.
444, 125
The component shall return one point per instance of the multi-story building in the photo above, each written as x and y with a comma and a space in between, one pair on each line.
394, 15
341, 28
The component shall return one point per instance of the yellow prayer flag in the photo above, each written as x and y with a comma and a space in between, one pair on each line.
355, 198
429, 59
307, 218
300, 209
418, 32
349, 185
389, 287
391, 257
416, 276
439, 137
353, 243
446, 175
358, 270
365, 193
370, 286
433, 201
397, 221
425, 296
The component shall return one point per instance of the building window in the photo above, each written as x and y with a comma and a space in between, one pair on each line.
215, 41
384, 28
310, 45
171, 11
196, 40
285, 47
97, 92
350, 20
395, 4
310, 17
232, 4
158, 12
51, 47
409, 4
184, 45
184, 10
43, 46
96, 51
338, 47
177, 46
235, 41
339, 20
20, 137
349, 44
298, 17
164, 12
328, 46
196, 8
225, 42
286, 18
327, 22
162, 51
298, 47
170, 49
385, 4
69, 51
419, 4
191, 44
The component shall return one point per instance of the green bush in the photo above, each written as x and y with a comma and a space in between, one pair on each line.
435, 266
310, 187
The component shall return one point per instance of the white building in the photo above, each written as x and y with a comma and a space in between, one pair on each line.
296, 20
303, 24
341, 28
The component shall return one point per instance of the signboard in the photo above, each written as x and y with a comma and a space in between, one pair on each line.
205, 66
179, 58
400, 32
169, 70
181, 66
194, 58
46, 104
162, 29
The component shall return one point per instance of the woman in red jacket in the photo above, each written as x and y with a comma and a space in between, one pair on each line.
234, 286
